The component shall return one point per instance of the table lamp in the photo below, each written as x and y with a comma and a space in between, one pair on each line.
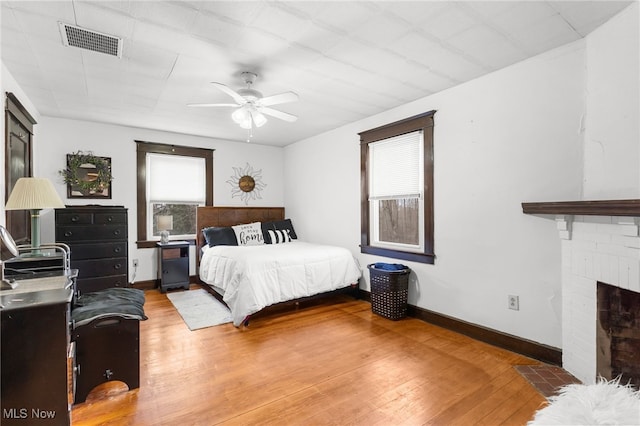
165, 224
35, 194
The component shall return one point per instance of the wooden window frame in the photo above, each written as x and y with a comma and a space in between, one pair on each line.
422, 122
142, 148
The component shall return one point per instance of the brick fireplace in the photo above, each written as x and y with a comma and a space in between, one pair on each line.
618, 334
600, 244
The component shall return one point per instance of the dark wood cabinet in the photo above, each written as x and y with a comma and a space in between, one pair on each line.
97, 236
173, 265
37, 354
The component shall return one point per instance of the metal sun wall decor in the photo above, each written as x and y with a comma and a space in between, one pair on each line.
246, 183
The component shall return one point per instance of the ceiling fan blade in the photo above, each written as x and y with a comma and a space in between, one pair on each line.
235, 95
213, 105
279, 114
280, 98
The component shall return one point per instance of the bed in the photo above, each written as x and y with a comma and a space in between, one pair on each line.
251, 258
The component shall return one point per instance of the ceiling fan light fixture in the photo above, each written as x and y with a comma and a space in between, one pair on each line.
258, 118
246, 124
251, 107
241, 115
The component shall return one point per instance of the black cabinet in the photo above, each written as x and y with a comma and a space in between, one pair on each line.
37, 354
97, 236
173, 265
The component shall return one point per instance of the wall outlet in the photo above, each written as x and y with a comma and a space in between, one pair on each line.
514, 302
135, 263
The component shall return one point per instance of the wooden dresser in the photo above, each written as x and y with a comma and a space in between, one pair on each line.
37, 354
97, 236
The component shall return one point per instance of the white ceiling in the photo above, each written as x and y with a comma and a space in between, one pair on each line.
346, 60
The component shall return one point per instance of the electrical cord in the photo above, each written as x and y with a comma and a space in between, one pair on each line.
133, 279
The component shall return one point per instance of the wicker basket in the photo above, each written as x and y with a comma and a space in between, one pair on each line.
389, 291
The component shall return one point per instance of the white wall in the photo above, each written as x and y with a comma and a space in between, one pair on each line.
512, 136
508, 137
56, 137
612, 137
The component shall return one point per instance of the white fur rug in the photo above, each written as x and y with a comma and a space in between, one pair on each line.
603, 403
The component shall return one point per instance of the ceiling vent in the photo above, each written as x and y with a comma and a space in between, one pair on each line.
90, 40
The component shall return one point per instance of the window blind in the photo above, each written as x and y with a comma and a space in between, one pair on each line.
396, 167
175, 179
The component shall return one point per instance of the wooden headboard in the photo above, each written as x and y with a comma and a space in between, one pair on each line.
228, 216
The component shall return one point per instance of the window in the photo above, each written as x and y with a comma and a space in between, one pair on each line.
172, 182
175, 187
397, 189
396, 166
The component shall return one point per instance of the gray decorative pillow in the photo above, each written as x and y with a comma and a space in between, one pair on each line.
220, 236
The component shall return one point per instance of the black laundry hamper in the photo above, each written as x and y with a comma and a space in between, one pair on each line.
389, 291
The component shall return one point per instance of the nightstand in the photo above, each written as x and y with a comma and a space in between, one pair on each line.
173, 265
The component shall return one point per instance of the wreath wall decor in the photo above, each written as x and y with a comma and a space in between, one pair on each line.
87, 175
246, 183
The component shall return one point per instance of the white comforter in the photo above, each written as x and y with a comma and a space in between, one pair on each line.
253, 277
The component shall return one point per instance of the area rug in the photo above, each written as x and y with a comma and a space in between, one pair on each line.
603, 403
199, 309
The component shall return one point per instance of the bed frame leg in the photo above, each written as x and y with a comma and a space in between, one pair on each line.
246, 320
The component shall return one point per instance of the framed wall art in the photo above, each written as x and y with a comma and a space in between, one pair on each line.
87, 176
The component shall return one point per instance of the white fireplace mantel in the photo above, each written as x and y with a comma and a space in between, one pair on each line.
600, 243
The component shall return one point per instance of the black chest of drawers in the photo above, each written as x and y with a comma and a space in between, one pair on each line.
37, 353
97, 236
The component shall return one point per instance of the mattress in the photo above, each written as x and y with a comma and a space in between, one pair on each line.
254, 277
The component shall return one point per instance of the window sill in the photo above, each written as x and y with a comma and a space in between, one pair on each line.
395, 254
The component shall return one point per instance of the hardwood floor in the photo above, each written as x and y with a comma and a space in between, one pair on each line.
334, 363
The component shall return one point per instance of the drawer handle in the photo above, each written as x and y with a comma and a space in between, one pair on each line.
110, 219
117, 266
75, 218
117, 250
68, 233
116, 232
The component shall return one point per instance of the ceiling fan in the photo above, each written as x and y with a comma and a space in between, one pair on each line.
251, 105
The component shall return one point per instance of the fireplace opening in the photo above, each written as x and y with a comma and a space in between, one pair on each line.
618, 334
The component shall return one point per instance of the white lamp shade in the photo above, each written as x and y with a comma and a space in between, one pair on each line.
240, 115
165, 223
258, 118
30, 193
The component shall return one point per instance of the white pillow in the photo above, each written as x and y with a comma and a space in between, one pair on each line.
279, 236
249, 234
